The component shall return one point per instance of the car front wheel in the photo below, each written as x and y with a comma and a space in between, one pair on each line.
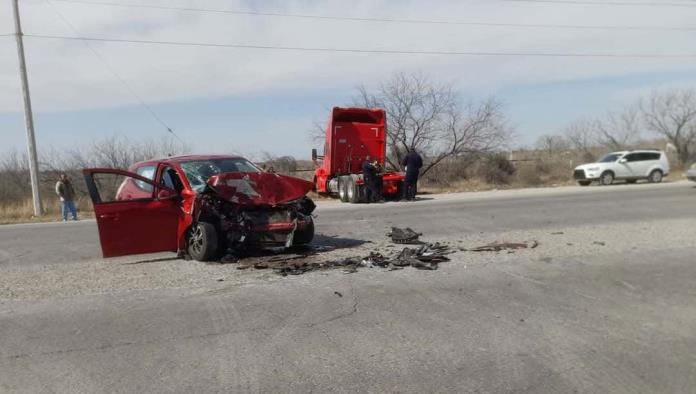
203, 242
606, 179
305, 236
655, 176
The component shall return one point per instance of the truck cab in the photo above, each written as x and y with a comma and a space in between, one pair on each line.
353, 134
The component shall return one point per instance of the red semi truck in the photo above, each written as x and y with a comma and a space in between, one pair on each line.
352, 134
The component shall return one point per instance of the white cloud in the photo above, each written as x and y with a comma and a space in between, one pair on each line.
65, 75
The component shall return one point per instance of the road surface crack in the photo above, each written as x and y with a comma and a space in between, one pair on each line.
351, 312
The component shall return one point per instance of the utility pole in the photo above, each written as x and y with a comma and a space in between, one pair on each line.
28, 116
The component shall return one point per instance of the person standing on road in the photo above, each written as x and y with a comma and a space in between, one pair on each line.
66, 193
370, 180
413, 163
378, 182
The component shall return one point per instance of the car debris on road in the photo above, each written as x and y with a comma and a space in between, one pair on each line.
426, 256
404, 236
500, 246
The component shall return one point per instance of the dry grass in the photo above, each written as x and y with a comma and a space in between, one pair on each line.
23, 212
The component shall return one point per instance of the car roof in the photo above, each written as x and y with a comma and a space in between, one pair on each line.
623, 152
182, 159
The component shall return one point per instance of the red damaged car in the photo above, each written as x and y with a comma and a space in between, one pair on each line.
201, 206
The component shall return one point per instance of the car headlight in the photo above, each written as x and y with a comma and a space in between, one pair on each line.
593, 169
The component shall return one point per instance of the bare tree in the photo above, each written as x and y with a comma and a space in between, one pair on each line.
581, 135
428, 117
619, 130
115, 152
552, 143
672, 114
281, 164
317, 133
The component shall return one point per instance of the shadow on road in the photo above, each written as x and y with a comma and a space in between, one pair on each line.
158, 260
320, 244
333, 242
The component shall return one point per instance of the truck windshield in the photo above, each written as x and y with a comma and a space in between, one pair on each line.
198, 172
610, 158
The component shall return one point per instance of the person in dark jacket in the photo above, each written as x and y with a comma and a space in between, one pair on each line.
413, 163
371, 180
66, 193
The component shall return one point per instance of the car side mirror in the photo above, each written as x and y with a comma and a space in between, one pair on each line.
166, 194
623, 161
314, 155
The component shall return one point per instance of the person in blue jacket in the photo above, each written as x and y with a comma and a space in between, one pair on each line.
413, 162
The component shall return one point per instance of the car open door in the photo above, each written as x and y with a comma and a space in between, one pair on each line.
134, 214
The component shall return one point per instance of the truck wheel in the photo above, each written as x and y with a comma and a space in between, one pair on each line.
203, 242
655, 176
305, 236
353, 191
342, 190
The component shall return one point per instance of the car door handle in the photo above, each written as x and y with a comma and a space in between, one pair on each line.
108, 216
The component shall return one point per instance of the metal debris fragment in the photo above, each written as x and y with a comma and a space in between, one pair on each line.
404, 236
424, 257
509, 246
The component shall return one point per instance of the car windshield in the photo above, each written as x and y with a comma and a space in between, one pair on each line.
198, 172
610, 158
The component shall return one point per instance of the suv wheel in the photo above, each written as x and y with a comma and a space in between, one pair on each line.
607, 178
655, 176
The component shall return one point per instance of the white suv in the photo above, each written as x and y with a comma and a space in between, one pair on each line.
629, 165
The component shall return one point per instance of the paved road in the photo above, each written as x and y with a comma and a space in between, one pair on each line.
435, 215
573, 315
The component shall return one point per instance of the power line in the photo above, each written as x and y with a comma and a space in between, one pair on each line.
7, 34
610, 3
116, 74
376, 51
381, 20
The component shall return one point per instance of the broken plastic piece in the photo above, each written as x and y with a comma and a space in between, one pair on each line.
404, 236
499, 246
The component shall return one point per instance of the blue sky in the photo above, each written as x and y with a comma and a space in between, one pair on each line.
253, 101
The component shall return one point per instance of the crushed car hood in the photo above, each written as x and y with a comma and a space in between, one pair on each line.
259, 188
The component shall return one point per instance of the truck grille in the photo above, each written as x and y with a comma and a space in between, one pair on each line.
579, 174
